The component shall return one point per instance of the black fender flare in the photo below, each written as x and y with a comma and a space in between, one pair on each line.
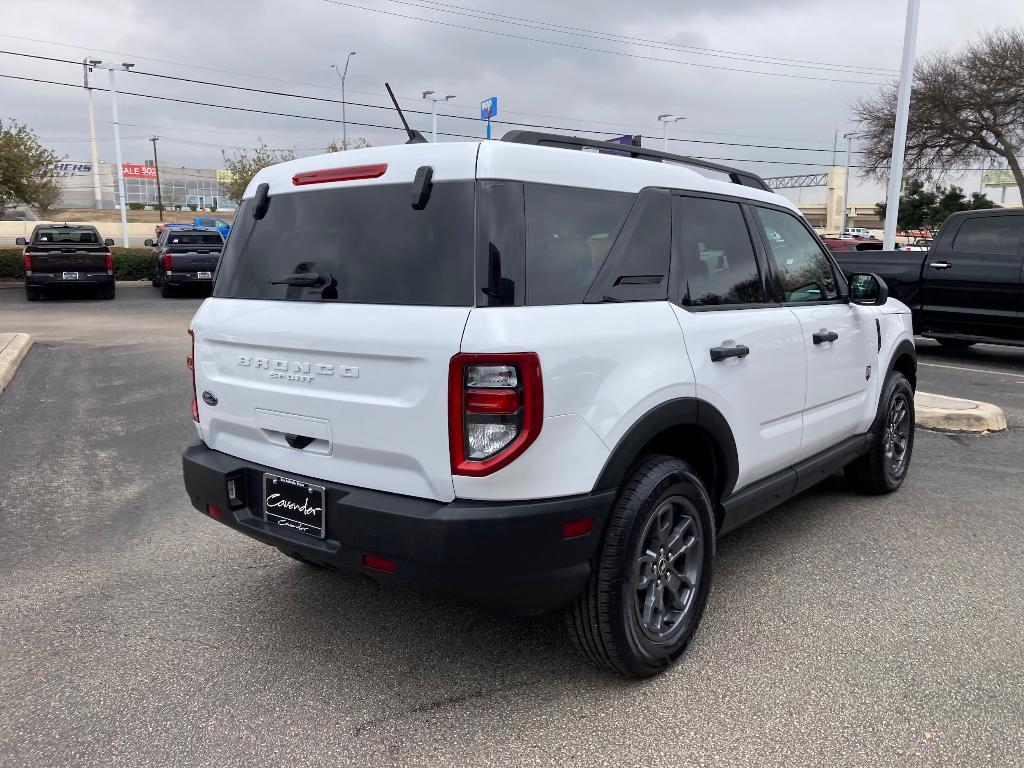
683, 411
905, 348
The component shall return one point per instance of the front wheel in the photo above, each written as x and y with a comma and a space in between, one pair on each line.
167, 291
884, 467
651, 578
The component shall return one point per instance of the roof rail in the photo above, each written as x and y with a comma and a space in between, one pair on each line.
538, 139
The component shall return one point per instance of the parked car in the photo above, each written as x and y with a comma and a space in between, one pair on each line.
920, 244
967, 288
851, 244
185, 257
221, 225
535, 378
67, 254
857, 232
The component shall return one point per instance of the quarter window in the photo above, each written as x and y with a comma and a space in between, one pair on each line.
995, 235
801, 267
718, 257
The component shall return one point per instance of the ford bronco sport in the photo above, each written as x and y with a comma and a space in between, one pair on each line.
536, 376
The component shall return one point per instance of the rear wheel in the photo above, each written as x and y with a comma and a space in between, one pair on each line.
650, 582
107, 292
884, 467
33, 292
956, 343
167, 291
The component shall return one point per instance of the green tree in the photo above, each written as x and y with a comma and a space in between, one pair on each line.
245, 164
964, 108
922, 208
47, 193
28, 172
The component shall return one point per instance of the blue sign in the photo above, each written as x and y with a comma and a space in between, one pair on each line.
489, 108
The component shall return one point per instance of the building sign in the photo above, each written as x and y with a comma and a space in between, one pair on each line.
132, 171
998, 179
65, 170
489, 108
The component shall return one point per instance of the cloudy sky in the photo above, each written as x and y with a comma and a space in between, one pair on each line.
762, 84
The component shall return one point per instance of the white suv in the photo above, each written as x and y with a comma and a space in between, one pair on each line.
536, 378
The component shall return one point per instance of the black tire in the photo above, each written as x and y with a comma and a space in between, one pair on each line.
155, 282
610, 625
167, 291
33, 292
884, 467
108, 293
956, 343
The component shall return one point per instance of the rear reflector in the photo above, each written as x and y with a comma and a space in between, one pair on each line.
492, 401
575, 528
378, 563
351, 173
213, 511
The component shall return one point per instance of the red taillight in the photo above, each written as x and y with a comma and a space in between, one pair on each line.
213, 511
110, 263
495, 410
167, 262
190, 361
28, 262
378, 563
574, 528
340, 174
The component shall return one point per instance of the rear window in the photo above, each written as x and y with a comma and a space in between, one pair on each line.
84, 236
367, 244
194, 238
995, 235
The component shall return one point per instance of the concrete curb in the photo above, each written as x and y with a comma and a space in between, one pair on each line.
954, 414
13, 348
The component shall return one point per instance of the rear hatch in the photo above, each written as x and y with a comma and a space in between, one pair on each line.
333, 320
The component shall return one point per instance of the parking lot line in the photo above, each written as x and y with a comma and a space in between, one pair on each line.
973, 370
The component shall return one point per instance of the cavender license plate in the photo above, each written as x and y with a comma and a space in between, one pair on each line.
289, 503
205, 275
70, 275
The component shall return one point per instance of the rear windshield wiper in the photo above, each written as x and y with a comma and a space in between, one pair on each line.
306, 279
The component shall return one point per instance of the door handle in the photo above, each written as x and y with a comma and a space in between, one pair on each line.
822, 336
723, 353
940, 265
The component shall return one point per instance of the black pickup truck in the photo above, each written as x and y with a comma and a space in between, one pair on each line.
968, 287
61, 255
185, 257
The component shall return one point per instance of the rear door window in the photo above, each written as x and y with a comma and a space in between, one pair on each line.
717, 253
569, 232
366, 244
993, 235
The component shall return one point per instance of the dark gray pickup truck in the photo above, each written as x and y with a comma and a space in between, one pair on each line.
185, 257
61, 255
968, 287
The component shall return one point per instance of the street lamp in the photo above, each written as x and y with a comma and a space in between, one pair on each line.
665, 120
87, 65
341, 76
111, 68
899, 133
846, 183
434, 98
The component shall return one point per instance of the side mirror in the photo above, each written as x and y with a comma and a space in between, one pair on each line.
20, 241
148, 242
108, 242
868, 289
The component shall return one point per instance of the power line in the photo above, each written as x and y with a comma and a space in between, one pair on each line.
612, 37
599, 50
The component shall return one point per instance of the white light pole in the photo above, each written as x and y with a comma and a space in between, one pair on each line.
434, 98
111, 68
87, 64
341, 76
899, 134
846, 182
665, 120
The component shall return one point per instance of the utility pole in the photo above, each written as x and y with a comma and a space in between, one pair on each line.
899, 134
342, 76
87, 64
111, 68
846, 183
434, 98
665, 120
156, 165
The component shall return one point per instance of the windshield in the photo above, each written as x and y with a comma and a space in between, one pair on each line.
66, 236
364, 245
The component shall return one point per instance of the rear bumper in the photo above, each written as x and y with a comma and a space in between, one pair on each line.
189, 278
508, 556
44, 279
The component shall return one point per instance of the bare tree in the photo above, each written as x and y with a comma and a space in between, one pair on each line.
965, 108
243, 165
341, 146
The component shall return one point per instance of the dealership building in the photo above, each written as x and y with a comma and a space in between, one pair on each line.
81, 188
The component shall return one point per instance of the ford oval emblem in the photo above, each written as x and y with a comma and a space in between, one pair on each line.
209, 398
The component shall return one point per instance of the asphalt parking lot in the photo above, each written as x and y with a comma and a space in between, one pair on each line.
842, 630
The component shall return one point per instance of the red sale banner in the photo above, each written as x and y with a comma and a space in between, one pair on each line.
130, 170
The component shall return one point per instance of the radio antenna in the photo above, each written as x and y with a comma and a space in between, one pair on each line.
415, 137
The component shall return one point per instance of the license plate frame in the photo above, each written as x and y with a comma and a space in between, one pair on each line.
204, 275
69, 275
287, 503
